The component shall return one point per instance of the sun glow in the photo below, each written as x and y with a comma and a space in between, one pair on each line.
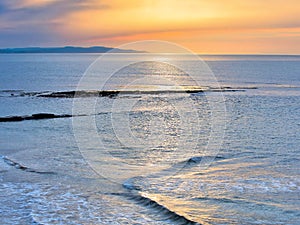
207, 26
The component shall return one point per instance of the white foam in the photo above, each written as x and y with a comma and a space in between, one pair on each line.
46, 204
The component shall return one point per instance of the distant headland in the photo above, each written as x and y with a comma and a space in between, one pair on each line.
67, 49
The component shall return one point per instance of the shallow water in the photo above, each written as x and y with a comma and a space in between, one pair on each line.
157, 146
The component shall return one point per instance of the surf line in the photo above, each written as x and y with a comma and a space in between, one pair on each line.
22, 167
136, 193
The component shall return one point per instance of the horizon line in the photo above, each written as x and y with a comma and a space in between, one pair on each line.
147, 52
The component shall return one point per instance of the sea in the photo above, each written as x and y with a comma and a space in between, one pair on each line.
139, 138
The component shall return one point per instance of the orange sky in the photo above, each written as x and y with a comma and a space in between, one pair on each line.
204, 26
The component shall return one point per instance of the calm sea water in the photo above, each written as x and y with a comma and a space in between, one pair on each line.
144, 158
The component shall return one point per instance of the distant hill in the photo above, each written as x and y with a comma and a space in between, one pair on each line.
67, 49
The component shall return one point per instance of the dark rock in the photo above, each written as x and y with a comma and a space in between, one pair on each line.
40, 116
37, 116
11, 119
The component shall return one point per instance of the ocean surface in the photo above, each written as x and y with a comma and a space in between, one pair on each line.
179, 141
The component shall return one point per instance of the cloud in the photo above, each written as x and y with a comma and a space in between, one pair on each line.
49, 10
31, 22
28, 36
82, 22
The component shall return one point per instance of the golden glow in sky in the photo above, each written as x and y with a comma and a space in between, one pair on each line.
204, 26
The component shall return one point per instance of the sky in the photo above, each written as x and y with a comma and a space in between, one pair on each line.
203, 26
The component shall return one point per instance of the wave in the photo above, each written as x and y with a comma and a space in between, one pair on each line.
136, 192
133, 182
251, 203
168, 214
11, 93
222, 200
187, 164
198, 159
22, 167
